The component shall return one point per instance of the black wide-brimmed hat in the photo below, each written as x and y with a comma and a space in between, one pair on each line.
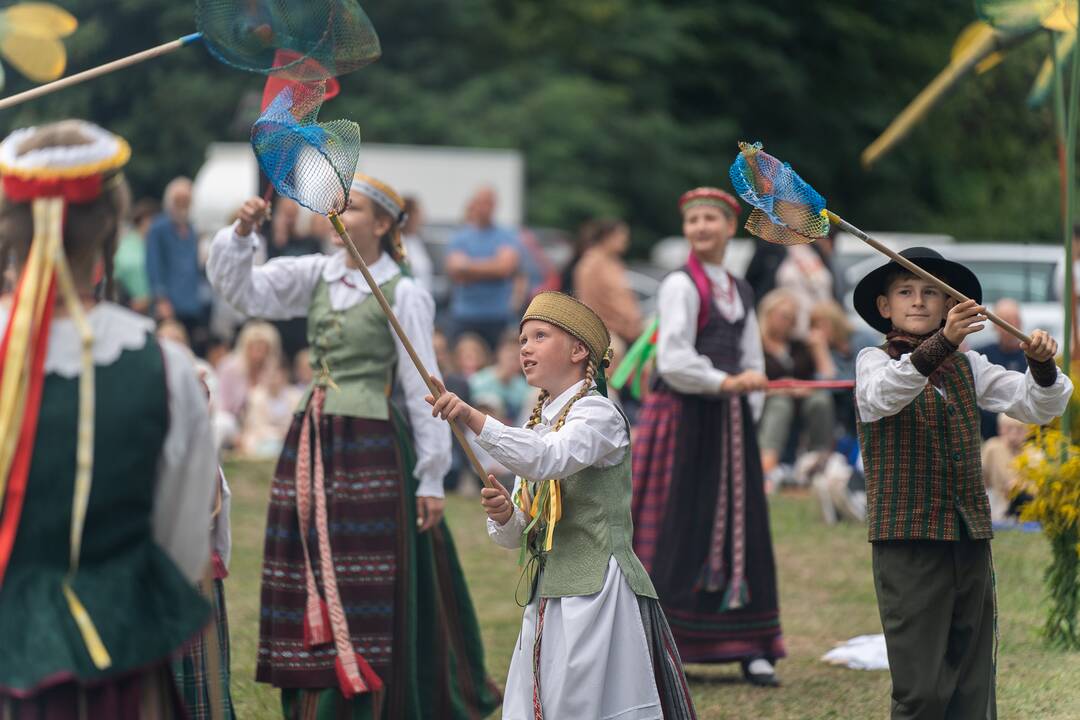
868, 289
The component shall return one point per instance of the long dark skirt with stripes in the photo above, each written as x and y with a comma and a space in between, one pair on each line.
148, 694
404, 596
699, 503
193, 668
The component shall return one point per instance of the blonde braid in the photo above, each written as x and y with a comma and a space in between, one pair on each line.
590, 375
535, 417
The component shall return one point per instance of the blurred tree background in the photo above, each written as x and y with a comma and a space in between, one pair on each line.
621, 105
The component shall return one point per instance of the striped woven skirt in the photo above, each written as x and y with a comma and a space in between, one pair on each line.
193, 667
699, 502
408, 611
149, 694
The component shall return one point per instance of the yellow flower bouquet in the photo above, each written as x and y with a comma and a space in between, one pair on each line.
1049, 468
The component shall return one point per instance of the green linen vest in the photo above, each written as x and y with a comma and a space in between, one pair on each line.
923, 465
595, 526
140, 603
353, 354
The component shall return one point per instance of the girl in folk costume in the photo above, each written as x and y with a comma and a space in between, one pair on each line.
594, 642
699, 501
107, 462
365, 612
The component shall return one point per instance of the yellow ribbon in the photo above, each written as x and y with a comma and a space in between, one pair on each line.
84, 454
28, 315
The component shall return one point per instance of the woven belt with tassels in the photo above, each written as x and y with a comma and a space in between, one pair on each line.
324, 620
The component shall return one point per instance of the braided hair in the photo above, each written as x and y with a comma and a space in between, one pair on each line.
534, 419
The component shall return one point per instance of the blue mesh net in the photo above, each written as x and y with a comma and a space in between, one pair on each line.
325, 38
786, 210
312, 163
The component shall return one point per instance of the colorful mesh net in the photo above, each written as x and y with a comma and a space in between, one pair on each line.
787, 211
312, 163
329, 37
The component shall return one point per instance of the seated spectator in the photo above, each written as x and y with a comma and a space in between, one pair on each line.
600, 281
257, 348
471, 353
805, 272
502, 385
999, 475
270, 408
1005, 352
217, 350
830, 329
302, 374
173, 329
786, 357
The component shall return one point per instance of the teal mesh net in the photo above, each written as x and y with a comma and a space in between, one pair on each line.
313, 163
787, 211
327, 38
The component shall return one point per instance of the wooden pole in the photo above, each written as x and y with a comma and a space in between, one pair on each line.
359, 260
46, 89
916, 270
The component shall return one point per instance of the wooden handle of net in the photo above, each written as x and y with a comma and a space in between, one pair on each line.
454, 426
920, 272
77, 78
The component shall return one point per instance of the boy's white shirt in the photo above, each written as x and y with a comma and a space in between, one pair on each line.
884, 387
594, 434
282, 289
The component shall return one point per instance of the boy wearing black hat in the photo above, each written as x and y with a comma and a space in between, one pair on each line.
918, 400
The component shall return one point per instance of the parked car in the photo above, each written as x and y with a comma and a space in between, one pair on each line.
1021, 271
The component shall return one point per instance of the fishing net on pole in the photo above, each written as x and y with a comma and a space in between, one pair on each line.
787, 211
310, 162
326, 38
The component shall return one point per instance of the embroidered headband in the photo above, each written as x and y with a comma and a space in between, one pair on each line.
708, 196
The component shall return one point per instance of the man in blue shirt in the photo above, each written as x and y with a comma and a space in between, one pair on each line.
482, 264
172, 265
1005, 352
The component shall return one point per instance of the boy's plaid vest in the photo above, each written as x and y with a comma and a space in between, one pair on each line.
923, 465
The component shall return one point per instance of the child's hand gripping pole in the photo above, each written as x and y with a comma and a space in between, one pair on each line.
432, 388
920, 272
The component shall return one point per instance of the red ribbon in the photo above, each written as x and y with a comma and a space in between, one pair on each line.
20, 467
73, 190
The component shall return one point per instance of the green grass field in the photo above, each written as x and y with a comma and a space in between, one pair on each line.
827, 596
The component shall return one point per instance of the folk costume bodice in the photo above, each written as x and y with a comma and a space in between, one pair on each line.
352, 354
142, 606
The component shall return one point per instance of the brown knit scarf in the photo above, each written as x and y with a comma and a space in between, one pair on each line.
935, 353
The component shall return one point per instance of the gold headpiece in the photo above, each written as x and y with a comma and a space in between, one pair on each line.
576, 318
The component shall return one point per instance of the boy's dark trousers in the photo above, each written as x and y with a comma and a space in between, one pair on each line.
936, 600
